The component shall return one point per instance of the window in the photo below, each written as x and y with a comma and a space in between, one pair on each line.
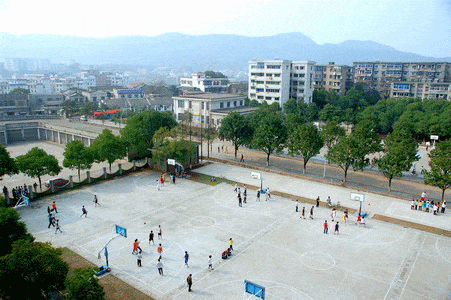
208, 106
208, 119
179, 116
221, 105
260, 97
234, 103
190, 104
181, 103
241, 103
276, 98
202, 105
228, 104
273, 66
268, 98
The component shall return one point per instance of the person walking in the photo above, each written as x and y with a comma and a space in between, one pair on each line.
317, 202
139, 257
326, 227
84, 212
136, 247
151, 237
58, 226
51, 220
333, 213
337, 228
160, 267
311, 212
210, 264
297, 207
96, 201
160, 250
160, 232
189, 281
158, 184
268, 194
186, 256
303, 212
258, 196
231, 244
54, 207
443, 206
240, 203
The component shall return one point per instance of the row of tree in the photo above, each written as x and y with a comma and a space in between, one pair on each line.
35, 270
271, 130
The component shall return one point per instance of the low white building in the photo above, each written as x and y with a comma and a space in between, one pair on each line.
208, 108
206, 85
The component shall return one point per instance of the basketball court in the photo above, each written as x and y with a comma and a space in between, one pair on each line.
274, 248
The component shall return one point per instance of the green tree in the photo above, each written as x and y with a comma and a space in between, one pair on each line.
77, 156
187, 119
31, 271
82, 285
331, 133
270, 134
37, 163
11, 229
140, 128
7, 164
168, 145
213, 74
440, 164
353, 150
305, 140
331, 112
20, 91
236, 129
400, 150
108, 147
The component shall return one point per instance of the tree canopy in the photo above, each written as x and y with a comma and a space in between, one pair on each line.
399, 153
7, 164
140, 129
82, 285
37, 163
305, 140
77, 156
236, 129
11, 229
213, 74
108, 147
31, 271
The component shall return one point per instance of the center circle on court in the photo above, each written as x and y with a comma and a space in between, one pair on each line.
318, 261
202, 222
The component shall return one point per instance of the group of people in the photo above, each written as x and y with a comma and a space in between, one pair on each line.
53, 221
303, 211
17, 192
428, 205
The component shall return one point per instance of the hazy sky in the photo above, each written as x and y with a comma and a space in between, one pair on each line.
419, 26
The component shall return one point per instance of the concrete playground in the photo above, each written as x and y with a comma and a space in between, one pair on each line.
291, 257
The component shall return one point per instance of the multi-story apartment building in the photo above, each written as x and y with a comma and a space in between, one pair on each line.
206, 85
424, 90
277, 81
381, 75
207, 108
337, 78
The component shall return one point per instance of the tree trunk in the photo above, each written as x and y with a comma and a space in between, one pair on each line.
443, 194
40, 184
110, 167
267, 158
305, 164
389, 183
346, 174
79, 178
236, 149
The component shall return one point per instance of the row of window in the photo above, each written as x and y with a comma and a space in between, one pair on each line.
268, 98
398, 86
299, 75
222, 104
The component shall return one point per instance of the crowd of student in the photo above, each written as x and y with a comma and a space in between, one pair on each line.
426, 205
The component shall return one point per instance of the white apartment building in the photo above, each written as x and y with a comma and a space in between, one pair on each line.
206, 85
203, 107
277, 81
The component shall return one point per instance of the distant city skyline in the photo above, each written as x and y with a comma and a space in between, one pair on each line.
418, 26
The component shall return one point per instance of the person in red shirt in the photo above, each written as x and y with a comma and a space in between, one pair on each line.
54, 207
136, 247
326, 227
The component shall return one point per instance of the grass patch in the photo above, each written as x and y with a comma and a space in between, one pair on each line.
202, 178
114, 287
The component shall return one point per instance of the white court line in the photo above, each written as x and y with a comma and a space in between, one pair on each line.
241, 251
412, 267
436, 248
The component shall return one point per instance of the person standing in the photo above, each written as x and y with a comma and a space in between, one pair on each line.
158, 184
96, 200
54, 207
160, 249
189, 281
317, 202
160, 232
337, 228
258, 196
303, 212
151, 237
58, 226
6, 194
231, 244
84, 212
297, 207
160, 267
239, 201
333, 213
311, 212
139, 257
326, 227
186, 256
443, 206
210, 263
136, 247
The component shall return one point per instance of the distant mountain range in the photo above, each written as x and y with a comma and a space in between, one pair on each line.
215, 51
